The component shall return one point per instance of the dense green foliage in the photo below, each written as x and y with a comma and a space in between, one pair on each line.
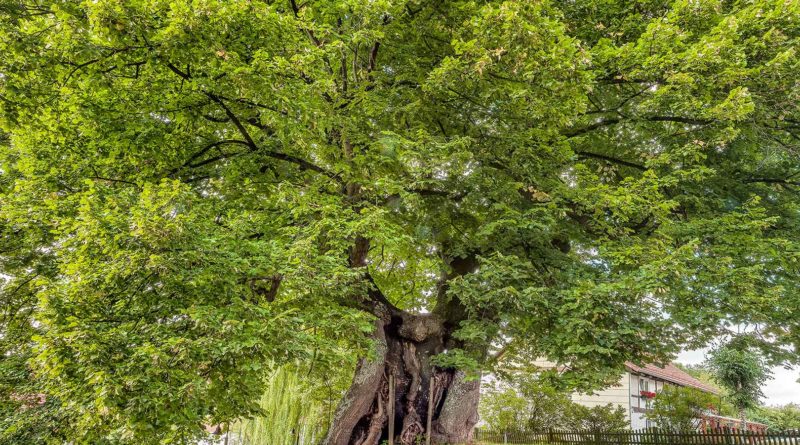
701, 371
742, 372
777, 418
191, 192
522, 405
680, 408
528, 403
609, 417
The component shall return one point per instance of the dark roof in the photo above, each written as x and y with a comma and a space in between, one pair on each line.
672, 374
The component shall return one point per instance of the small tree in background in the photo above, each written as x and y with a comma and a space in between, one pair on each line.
702, 372
680, 409
503, 409
292, 413
524, 403
742, 372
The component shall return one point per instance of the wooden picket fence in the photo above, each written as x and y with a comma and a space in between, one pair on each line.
650, 436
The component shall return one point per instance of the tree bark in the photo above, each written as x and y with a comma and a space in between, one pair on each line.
357, 402
405, 344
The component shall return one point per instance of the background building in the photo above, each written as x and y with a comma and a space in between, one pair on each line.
637, 387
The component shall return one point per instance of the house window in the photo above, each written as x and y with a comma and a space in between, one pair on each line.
644, 387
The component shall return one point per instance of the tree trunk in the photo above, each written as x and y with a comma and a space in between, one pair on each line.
405, 344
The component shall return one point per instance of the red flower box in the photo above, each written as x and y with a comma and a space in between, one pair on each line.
647, 394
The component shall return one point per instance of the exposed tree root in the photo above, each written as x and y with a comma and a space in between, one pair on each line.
377, 420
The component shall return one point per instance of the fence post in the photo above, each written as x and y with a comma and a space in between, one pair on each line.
391, 409
430, 412
727, 432
643, 436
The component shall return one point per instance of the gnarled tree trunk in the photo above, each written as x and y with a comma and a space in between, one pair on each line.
405, 345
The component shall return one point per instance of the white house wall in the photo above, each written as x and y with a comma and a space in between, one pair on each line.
638, 404
626, 393
618, 395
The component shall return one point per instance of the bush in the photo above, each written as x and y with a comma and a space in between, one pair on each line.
601, 418
526, 404
680, 408
531, 404
780, 418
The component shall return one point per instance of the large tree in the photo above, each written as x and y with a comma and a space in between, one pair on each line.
192, 191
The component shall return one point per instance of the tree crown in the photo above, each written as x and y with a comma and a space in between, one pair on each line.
194, 190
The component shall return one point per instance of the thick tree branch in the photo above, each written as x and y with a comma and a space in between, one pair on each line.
304, 165
219, 157
219, 120
248, 139
455, 197
373, 56
679, 119
594, 126
780, 181
310, 33
449, 308
118, 181
203, 151
267, 291
80, 66
617, 80
378, 303
613, 121
257, 104
236, 122
611, 159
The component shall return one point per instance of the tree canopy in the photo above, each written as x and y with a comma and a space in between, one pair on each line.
191, 192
